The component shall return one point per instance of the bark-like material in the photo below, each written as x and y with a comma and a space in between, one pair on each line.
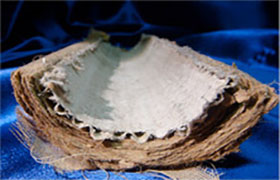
178, 106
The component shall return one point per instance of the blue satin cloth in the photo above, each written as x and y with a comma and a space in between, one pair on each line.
231, 38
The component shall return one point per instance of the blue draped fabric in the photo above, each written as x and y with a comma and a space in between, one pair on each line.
245, 33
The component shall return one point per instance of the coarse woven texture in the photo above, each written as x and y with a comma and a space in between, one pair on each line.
225, 121
238, 64
163, 86
54, 138
245, 165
